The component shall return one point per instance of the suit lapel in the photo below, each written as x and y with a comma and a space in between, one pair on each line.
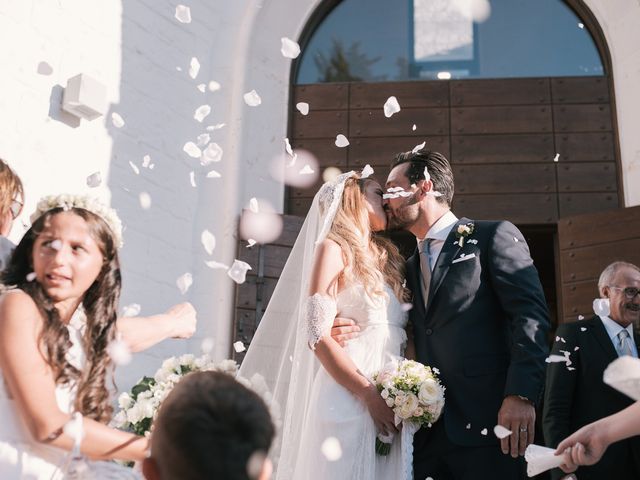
414, 275
603, 339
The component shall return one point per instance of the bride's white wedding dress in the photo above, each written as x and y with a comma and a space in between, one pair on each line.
21, 457
334, 412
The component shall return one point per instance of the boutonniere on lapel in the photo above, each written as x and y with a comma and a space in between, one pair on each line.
463, 231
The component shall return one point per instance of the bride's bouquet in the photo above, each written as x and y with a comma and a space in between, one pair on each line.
139, 408
414, 393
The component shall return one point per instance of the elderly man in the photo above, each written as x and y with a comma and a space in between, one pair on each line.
575, 393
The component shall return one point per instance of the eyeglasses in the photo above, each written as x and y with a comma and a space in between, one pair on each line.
629, 292
16, 208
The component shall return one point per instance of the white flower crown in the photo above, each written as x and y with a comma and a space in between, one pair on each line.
86, 202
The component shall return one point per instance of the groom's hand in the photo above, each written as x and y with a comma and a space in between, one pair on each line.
344, 329
518, 415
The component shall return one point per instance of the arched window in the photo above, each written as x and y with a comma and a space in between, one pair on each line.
384, 40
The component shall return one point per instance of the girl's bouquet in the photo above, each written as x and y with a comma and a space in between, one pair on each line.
139, 408
414, 393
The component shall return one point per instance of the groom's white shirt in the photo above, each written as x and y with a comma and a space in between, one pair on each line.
438, 234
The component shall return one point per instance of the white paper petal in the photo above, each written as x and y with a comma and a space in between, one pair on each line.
212, 154
341, 141
214, 86
540, 459
145, 200
192, 150
623, 374
580, 317
331, 449
427, 175
213, 264
194, 67
202, 87
391, 106
217, 126
556, 158
303, 108
253, 205
287, 147
192, 178
208, 240
252, 98
201, 112
203, 139
484, 431
134, 167
117, 120
367, 171
556, 359
184, 281
131, 310
31, 276
183, 14
94, 180
501, 432
213, 174
119, 352
239, 347
289, 48
406, 307
414, 127
307, 170
444, 75
146, 160
250, 242
238, 271
601, 307
419, 147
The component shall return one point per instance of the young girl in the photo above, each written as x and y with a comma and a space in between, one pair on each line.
55, 326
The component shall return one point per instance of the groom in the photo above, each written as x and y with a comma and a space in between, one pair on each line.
479, 315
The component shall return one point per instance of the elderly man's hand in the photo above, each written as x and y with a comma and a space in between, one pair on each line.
519, 416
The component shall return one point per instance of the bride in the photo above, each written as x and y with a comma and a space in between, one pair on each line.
330, 411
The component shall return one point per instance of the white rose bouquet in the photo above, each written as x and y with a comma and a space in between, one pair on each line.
414, 393
139, 408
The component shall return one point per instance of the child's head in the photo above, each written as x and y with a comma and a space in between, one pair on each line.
210, 426
11, 198
69, 256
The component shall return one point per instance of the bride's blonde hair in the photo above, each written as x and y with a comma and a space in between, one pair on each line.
370, 258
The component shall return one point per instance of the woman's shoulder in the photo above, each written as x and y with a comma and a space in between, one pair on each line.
16, 306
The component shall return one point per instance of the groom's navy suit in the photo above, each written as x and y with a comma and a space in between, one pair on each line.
485, 328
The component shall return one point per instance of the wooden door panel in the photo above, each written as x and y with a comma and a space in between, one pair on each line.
582, 118
373, 123
520, 148
380, 151
517, 208
580, 90
511, 119
322, 96
324, 149
587, 177
321, 124
586, 147
494, 179
571, 204
409, 94
511, 91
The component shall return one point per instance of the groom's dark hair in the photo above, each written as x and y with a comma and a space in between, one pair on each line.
209, 426
438, 167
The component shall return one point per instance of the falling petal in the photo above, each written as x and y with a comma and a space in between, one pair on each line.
179, 69
556, 158
132, 310
427, 175
330, 174
239, 347
303, 108
255, 464
31, 276
341, 141
406, 307
194, 67
414, 127
44, 68
576, 349
207, 345
135, 169
119, 352
484, 431
183, 14
253, 205
212, 154
331, 449
583, 329
287, 147
146, 160
250, 242
556, 359
192, 150
501, 432
238, 271
475, 10
367, 171
286, 169
214, 264
601, 307
289, 49
192, 178
208, 240
214, 86
202, 87
213, 174
417, 148
73, 428
580, 317
444, 75
145, 200
580, 25
183, 282
217, 126
94, 180
252, 98
391, 107
56, 245
263, 224
201, 112
117, 120
203, 139
468, 427
307, 170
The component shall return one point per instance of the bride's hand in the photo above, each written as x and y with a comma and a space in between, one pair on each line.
382, 415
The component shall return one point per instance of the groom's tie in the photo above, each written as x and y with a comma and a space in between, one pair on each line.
425, 267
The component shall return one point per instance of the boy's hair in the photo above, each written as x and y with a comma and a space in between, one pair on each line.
10, 188
209, 426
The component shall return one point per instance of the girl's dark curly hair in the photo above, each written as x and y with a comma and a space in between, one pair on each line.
100, 303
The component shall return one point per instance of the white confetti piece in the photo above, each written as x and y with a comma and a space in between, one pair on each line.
307, 170
331, 449
134, 167
212, 154
183, 14
94, 180
419, 147
444, 75
194, 67
238, 271
406, 307
576, 349
44, 68
145, 200
117, 120
217, 126
208, 240
192, 150
289, 48
216, 265
73, 428
427, 175
580, 317
601, 307
184, 281
583, 329
255, 464
207, 345
580, 25
391, 107
214, 86
501, 432
484, 431
31, 276
341, 141
287, 147
367, 171
179, 69
303, 108
468, 427
253, 205
556, 158
201, 112
131, 310
239, 347
252, 98
56, 245
557, 359
515, 239
203, 139
250, 242
119, 352
146, 161
192, 178
213, 174
414, 127
202, 87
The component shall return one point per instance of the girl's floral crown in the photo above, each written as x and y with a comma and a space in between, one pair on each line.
86, 202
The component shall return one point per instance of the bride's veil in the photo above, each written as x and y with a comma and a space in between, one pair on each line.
279, 349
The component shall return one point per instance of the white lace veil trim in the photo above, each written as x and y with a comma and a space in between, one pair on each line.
279, 349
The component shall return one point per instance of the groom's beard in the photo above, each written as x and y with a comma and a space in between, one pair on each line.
405, 216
